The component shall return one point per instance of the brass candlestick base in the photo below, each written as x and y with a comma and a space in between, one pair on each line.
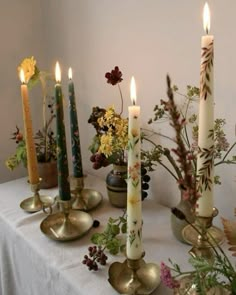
188, 287
191, 236
205, 238
134, 277
66, 225
83, 199
37, 202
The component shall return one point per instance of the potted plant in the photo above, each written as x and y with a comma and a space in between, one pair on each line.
181, 160
110, 143
45, 140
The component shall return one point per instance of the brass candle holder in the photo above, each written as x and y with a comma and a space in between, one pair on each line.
191, 236
203, 246
205, 238
83, 199
67, 224
134, 277
37, 202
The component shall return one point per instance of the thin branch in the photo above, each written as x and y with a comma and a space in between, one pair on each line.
223, 160
121, 97
160, 134
167, 154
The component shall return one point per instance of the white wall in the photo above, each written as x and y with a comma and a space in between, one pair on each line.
146, 39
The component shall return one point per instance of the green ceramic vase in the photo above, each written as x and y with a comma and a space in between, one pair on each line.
117, 186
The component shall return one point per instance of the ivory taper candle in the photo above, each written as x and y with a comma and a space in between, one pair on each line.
205, 161
134, 246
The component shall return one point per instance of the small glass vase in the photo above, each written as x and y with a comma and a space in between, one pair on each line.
117, 186
177, 225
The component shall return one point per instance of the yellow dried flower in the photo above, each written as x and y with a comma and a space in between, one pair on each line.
28, 65
109, 113
106, 144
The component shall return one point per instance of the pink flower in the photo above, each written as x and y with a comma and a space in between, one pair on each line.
167, 278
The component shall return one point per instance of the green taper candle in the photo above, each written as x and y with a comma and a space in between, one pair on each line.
74, 128
62, 162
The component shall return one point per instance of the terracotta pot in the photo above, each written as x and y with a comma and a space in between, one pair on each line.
117, 186
48, 173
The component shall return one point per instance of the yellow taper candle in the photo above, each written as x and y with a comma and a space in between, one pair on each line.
134, 246
205, 161
29, 141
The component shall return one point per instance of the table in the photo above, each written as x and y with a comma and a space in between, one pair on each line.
32, 264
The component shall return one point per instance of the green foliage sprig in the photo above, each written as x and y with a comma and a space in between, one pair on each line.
207, 273
108, 240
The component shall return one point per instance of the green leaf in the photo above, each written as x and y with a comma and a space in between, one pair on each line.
113, 246
115, 229
98, 239
124, 228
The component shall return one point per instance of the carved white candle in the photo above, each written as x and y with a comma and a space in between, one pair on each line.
205, 161
134, 201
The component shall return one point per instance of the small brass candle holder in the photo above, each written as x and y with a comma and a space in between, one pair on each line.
83, 199
191, 236
67, 224
134, 277
37, 202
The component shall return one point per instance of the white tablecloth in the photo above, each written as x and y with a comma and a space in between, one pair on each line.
32, 264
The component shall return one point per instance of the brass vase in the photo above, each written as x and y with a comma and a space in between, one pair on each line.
48, 173
117, 186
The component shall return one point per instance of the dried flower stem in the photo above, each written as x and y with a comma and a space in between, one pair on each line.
187, 182
121, 98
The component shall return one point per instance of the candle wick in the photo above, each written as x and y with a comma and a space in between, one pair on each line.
207, 31
133, 102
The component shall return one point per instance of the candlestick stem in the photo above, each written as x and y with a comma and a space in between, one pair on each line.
83, 198
37, 202
205, 225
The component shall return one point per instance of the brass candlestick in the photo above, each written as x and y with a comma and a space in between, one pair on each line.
67, 224
191, 236
203, 242
37, 202
134, 277
83, 198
